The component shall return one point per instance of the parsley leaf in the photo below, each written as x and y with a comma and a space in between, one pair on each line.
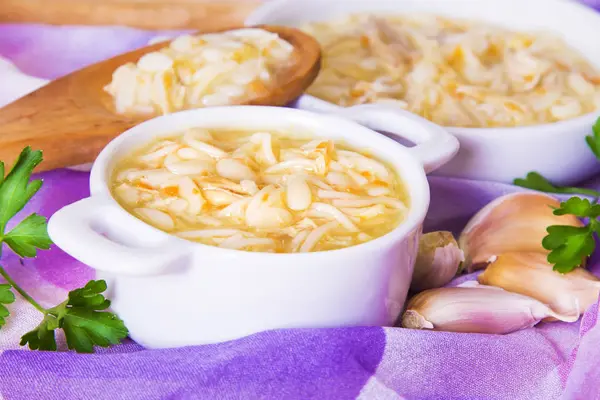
31, 234
6, 297
83, 316
90, 296
578, 207
85, 329
570, 245
535, 181
42, 337
593, 140
16, 190
83, 321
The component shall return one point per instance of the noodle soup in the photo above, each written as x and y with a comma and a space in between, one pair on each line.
261, 191
200, 71
247, 175
453, 72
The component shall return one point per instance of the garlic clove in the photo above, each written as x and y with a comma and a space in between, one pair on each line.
437, 261
298, 194
235, 170
476, 310
219, 197
512, 223
531, 275
158, 218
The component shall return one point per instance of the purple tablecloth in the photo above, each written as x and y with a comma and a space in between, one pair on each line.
551, 361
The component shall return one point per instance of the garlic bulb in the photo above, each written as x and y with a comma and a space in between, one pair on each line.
512, 223
437, 261
531, 275
480, 309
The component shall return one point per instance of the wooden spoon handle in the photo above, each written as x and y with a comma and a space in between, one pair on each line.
145, 14
68, 133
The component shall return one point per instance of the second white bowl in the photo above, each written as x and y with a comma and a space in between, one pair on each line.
558, 150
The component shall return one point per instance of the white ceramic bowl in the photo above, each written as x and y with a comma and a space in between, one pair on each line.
172, 292
557, 150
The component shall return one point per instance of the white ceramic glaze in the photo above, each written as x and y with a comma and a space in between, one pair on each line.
557, 150
171, 292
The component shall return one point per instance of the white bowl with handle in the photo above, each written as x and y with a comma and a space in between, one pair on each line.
172, 292
557, 150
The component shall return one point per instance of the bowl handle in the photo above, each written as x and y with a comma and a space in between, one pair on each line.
434, 146
75, 229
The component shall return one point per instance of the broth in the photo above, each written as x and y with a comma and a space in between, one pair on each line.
260, 191
453, 72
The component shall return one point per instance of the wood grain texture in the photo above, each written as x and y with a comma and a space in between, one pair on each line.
72, 118
145, 14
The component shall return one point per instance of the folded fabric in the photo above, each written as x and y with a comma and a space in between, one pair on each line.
16, 84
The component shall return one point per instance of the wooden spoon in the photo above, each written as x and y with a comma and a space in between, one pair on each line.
144, 14
72, 118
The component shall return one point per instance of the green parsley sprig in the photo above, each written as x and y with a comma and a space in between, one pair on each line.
570, 245
6, 297
83, 316
535, 181
593, 140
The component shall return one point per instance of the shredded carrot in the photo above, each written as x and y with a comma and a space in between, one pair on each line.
492, 51
168, 82
356, 92
364, 41
562, 66
245, 53
171, 191
457, 57
257, 86
451, 87
237, 57
143, 185
592, 79
520, 41
512, 106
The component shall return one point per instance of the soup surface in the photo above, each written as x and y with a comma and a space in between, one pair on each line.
199, 71
453, 72
260, 191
